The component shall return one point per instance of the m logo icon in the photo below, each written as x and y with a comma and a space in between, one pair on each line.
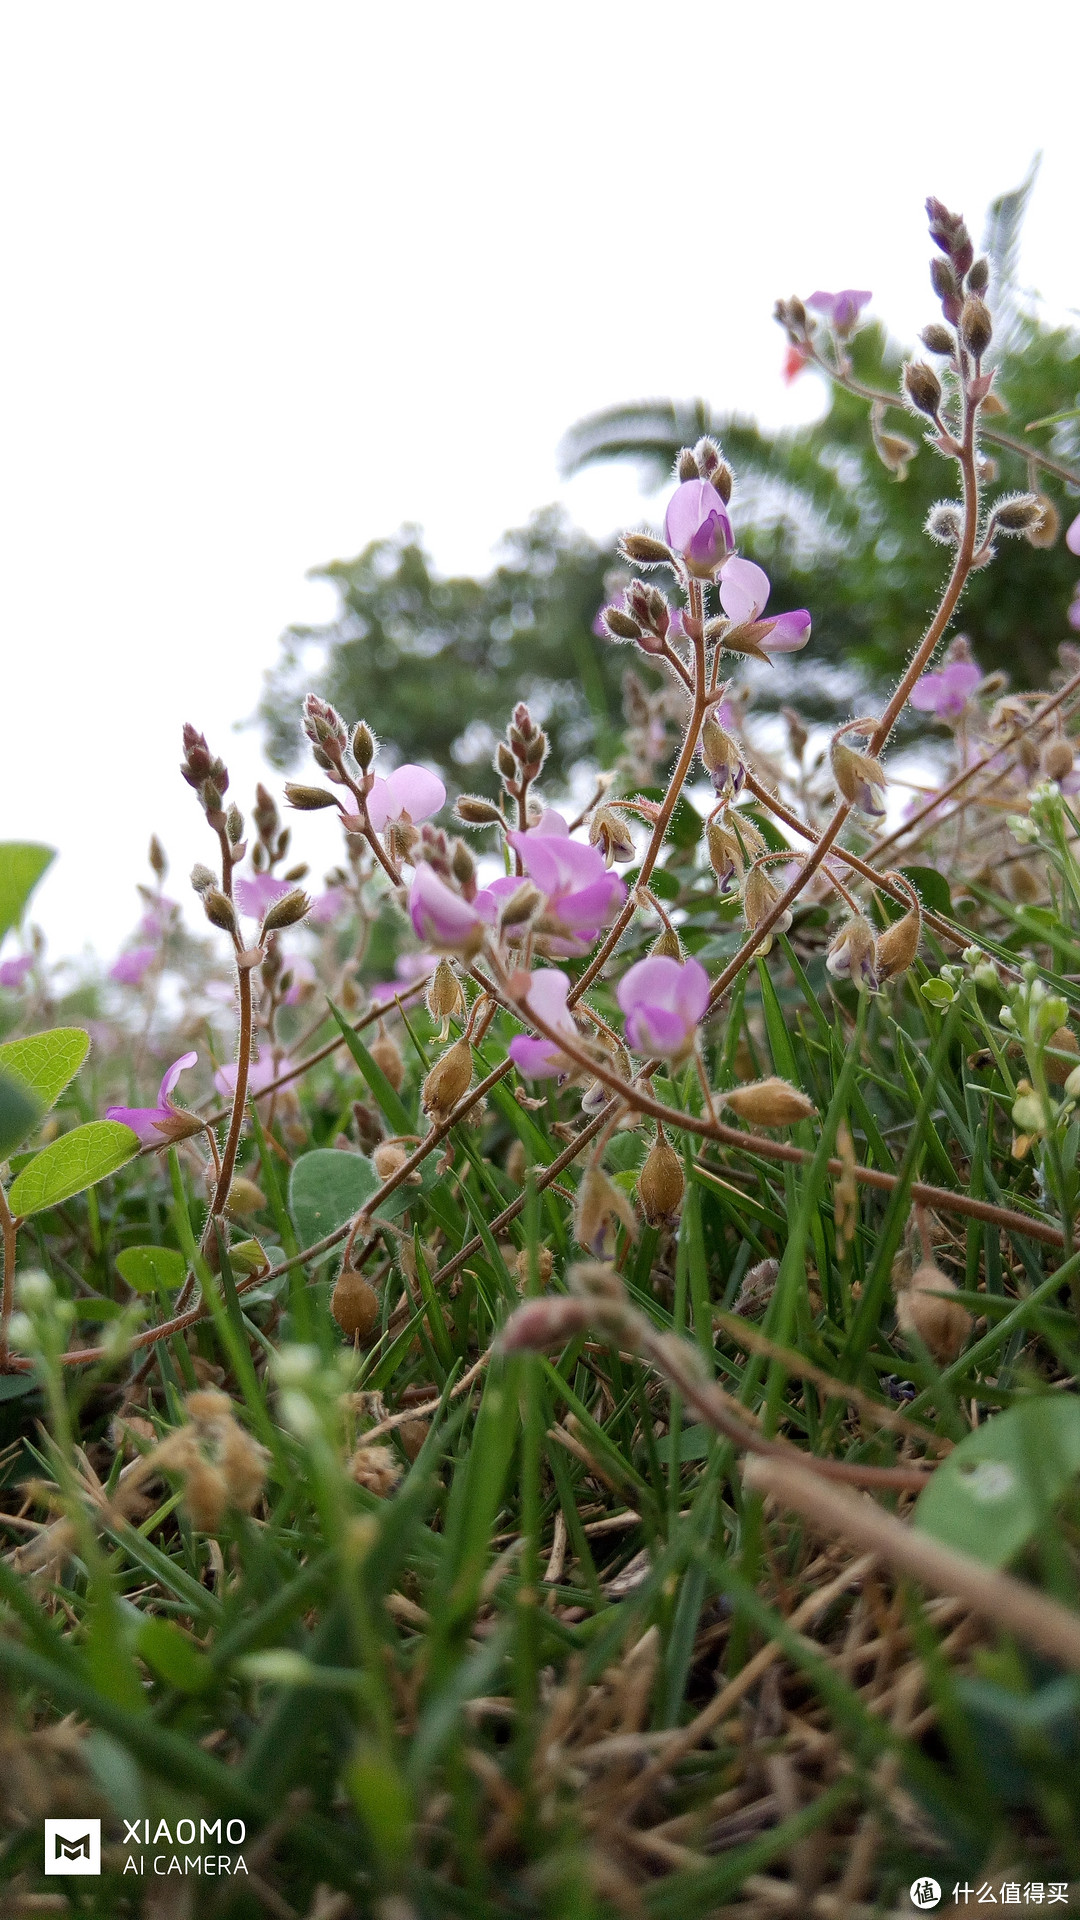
73, 1846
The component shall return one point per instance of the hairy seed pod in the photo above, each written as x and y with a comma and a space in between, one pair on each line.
669, 945
386, 1054
1017, 513
444, 993
898, 945
661, 1183
937, 339
387, 1158
545, 1265
1056, 759
770, 1103
244, 1196
447, 1081
354, 1304
941, 1325
945, 523
922, 387
620, 625
287, 911
219, 909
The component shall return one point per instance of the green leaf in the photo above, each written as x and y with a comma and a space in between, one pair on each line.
938, 992
19, 1113
695, 1443
685, 826
991, 1494
392, 1108
932, 887
172, 1657
78, 1159
151, 1269
326, 1188
22, 863
44, 1063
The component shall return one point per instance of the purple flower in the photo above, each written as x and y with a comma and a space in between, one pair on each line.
744, 594
131, 968
540, 1058
14, 972
663, 1002
411, 967
156, 1126
947, 693
581, 893
442, 917
255, 896
260, 1074
1072, 537
325, 907
303, 978
156, 919
842, 309
1073, 615
409, 793
696, 525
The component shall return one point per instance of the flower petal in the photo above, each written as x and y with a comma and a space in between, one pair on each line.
172, 1075
744, 589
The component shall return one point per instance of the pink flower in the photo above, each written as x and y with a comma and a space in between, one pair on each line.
795, 359
582, 894
156, 919
947, 693
155, 1125
409, 793
842, 309
1073, 615
1072, 537
696, 525
325, 907
303, 978
254, 896
260, 1074
442, 916
540, 1059
744, 593
14, 972
663, 1002
410, 967
132, 967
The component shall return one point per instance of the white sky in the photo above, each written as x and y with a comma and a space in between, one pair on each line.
279, 277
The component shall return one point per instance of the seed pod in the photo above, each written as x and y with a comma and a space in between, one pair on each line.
759, 898
375, 1468
1064, 1041
898, 945
387, 1158
219, 909
937, 339
444, 994
412, 1434
245, 1196
941, 1325
545, 1265
620, 625
354, 1304
976, 326
643, 549
1056, 759
669, 945
945, 523
287, 911
922, 387
476, 812
770, 1103
363, 745
1017, 513
448, 1079
1045, 530
308, 799
386, 1054
661, 1182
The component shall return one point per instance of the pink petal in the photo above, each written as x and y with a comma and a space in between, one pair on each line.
142, 1121
439, 915
131, 967
557, 863
790, 632
744, 589
654, 1030
253, 897
172, 1075
926, 692
409, 792
538, 1059
1072, 537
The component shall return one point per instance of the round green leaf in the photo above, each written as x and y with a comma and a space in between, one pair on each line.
78, 1159
22, 863
44, 1063
326, 1188
19, 1113
991, 1493
151, 1269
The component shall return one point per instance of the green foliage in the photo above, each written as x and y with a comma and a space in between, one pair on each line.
19, 1113
326, 1188
45, 1063
22, 864
77, 1160
1003, 1482
151, 1269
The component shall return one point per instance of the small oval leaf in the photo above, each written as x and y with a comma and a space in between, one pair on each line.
22, 863
152, 1269
77, 1160
44, 1063
326, 1188
19, 1113
992, 1491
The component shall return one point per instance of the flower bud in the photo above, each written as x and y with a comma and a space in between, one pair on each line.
505, 764
898, 945
686, 465
669, 945
245, 1196
725, 856
644, 550
770, 1103
947, 287
156, 856
721, 758
546, 1322
386, 1054
723, 481
1017, 513
473, 811
201, 877
976, 326
620, 625
609, 832
600, 1205
978, 277
363, 745
354, 1304
447, 1081
945, 523
286, 911
860, 778
661, 1183
941, 1325
853, 954
922, 387
234, 825
308, 799
759, 898
219, 909
1056, 759
462, 864
937, 339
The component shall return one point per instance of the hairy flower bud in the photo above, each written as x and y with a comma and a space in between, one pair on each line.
545, 1322
447, 1081
156, 856
286, 911
521, 905
725, 856
354, 1304
1056, 759
770, 1103
923, 388
201, 877
759, 898
669, 946
860, 778
473, 811
941, 1325
444, 994
620, 625
609, 832
661, 1182
505, 764
723, 480
1044, 531
363, 745
686, 465
976, 326
937, 339
219, 909
947, 287
945, 523
721, 757
644, 550
234, 825
599, 1207
853, 954
1017, 513
325, 727
978, 277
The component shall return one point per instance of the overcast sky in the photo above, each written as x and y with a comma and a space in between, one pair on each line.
279, 277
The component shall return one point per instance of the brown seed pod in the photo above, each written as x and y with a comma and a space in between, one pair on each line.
941, 1325
376, 1469
545, 1265
770, 1103
354, 1304
387, 1055
412, 1434
661, 1182
1063, 1040
898, 945
448, 1080
387, 1158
